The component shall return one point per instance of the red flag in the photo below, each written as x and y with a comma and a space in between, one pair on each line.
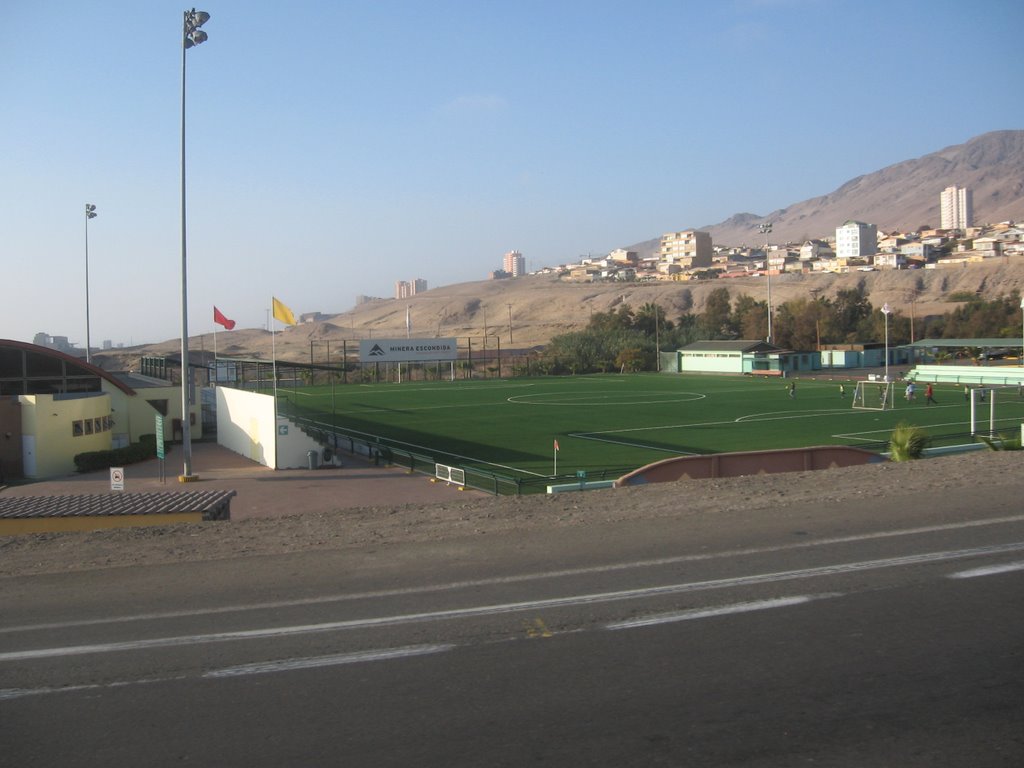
556, 445
218, 317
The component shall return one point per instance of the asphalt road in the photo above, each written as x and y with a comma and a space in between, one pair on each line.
840, 643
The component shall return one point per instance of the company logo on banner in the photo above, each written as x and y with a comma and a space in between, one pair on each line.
406, 350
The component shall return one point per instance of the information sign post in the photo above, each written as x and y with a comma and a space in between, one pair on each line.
160, 453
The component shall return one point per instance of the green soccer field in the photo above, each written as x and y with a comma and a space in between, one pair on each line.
620, 422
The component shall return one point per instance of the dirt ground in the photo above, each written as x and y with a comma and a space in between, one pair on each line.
420, 511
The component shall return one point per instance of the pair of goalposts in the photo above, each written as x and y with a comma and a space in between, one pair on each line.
881, 396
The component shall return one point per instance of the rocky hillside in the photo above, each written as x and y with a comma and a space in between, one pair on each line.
542, 307
902, 197
905, 196
528, 311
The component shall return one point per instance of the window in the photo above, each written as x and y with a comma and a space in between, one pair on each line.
76, 428
88, 426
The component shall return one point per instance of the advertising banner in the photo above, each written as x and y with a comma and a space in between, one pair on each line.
406, 350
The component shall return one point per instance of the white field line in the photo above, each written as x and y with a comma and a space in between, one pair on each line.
600, 435
572, 399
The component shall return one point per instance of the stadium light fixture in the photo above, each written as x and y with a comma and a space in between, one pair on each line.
90, 213
192, 36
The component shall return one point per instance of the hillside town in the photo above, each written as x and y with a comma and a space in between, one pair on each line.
856, 245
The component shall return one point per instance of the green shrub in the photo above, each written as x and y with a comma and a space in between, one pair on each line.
93, 461
1001, 442
962, 296
907, 442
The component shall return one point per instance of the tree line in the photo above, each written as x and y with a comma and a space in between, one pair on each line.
624, 339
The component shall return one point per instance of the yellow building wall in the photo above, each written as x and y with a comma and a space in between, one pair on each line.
134, 415
54, 431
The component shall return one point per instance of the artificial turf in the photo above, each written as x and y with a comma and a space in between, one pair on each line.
619, 422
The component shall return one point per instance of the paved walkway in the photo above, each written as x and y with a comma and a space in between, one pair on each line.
261, 492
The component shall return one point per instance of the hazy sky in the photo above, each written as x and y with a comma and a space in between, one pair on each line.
336, 147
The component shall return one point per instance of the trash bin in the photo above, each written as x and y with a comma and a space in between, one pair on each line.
312, 457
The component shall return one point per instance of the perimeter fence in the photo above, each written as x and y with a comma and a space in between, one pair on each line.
382, 450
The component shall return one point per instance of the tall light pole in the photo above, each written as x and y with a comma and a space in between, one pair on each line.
766, 229
885, 311
90, 213
510, 325
192, 35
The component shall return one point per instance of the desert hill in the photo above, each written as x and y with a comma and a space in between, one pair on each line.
528, 311
901, 197
544, 306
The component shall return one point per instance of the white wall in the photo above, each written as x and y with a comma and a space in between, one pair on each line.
294, 445
711, 362
245, 424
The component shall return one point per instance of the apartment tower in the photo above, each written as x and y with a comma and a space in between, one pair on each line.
956, 208
515, 264
855, 239
688, 249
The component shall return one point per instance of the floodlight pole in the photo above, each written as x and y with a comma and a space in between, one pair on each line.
885, 311
766, 230
1022, 333
192, 35
90, 213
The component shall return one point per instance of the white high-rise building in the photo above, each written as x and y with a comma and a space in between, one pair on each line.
406, 288
956, 208
515, 264
855, 239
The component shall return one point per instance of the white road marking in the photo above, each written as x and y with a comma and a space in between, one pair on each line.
724, 610
313, 662
544, 575
515, 607
989, 571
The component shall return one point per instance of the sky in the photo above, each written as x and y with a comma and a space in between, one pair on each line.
333, 147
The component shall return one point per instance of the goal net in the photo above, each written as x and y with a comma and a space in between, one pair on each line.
873, 395
996, 408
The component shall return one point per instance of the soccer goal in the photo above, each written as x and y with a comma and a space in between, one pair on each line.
1004, 404
873, 395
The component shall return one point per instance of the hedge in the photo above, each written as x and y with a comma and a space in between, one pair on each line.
92, 461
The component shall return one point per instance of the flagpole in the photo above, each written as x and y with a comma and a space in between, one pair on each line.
273, 356
555, 471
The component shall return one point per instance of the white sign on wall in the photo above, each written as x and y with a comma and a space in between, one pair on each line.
406, 350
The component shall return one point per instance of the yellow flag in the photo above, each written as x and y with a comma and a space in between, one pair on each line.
282, 313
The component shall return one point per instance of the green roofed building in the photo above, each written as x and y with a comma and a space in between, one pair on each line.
744, 356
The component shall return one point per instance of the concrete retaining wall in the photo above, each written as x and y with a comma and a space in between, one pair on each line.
748, 463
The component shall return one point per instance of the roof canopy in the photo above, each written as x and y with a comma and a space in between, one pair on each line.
746, 346
982, 343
